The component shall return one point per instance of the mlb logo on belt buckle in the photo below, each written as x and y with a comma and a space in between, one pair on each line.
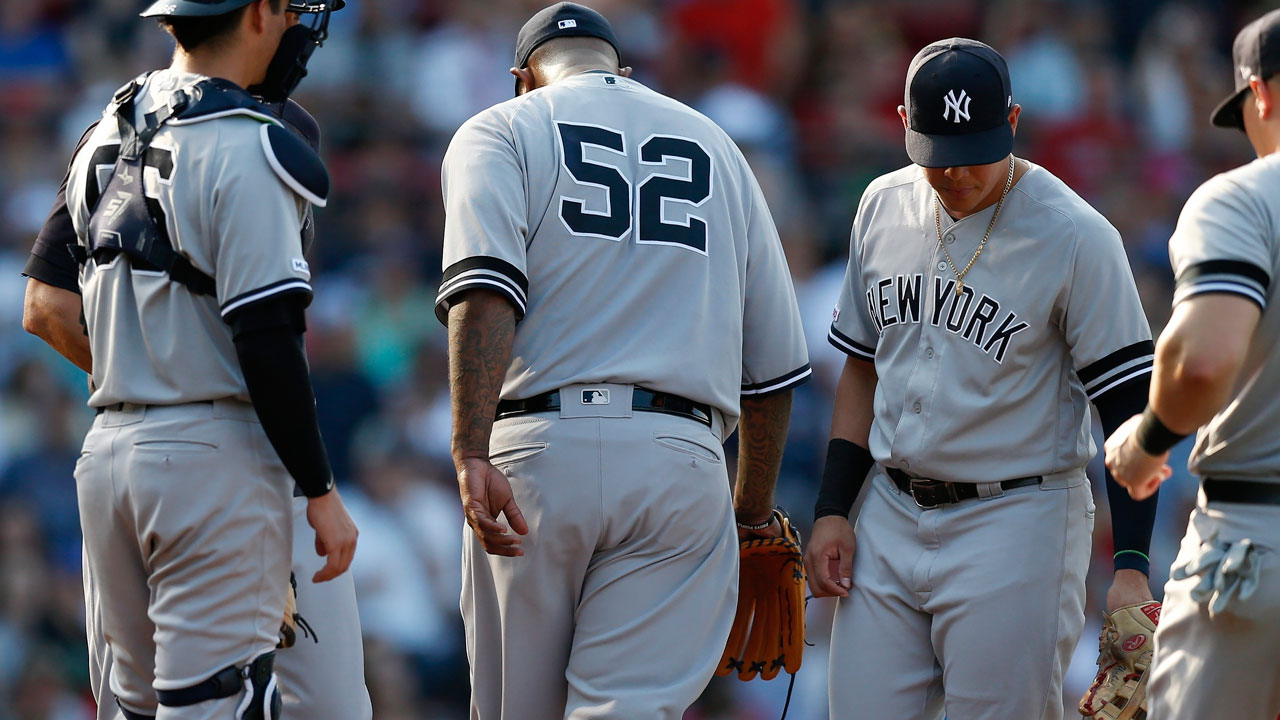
596, 396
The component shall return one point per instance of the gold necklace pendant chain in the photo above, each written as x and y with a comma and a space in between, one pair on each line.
937, 220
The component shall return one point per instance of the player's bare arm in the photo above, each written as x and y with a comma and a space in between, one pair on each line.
482, 328
762, 434
1198, 359
55, 316
828, 558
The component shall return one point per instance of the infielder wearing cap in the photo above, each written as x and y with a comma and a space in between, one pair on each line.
187, 201
1216, 370
326, 681
616, 295
984, 307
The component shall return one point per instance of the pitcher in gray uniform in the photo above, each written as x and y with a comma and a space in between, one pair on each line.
617, 297
187, 201
985, 305
1216, 371
318, 681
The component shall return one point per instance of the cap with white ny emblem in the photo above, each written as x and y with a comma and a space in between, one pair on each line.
1256, 51
958, 99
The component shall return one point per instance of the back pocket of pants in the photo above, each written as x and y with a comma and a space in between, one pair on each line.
688, 446
513, 454
179, 446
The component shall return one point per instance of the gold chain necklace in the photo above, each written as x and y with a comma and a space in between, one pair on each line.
937, 219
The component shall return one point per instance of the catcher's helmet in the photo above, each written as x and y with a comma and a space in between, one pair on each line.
196, 8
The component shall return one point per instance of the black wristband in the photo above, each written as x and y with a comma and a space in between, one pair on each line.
842, 478
1153, 436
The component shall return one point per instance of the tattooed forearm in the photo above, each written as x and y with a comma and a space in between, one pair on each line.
762, 432
481, 331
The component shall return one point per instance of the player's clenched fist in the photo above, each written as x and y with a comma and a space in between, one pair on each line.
335, 534
1131, 466
828, 560
486, 492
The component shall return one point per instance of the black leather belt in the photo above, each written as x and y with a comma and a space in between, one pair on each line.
1241, 491
641, 399
932, 493
118, 407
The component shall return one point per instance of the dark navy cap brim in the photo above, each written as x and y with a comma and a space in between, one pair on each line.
1228, 113
209, 8
978, 148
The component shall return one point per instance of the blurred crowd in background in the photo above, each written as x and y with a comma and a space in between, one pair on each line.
1115, 96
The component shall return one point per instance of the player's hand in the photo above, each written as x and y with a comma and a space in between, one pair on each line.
486, 492
1129, 587
828, 560
1135, 470
335, 534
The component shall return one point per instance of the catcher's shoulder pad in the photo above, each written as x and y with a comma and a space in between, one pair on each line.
297, 165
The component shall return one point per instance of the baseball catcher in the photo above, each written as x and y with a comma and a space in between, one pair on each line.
768, 629
1119, 692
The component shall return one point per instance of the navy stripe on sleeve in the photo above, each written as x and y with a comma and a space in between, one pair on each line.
1117, 368
1234, 277
783, 382
850, 346
485, 273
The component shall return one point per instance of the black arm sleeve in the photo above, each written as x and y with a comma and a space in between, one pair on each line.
268, 338
1131, 520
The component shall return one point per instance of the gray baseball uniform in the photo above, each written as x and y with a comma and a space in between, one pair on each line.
1216, 654
181, 595
631, 237
317, 683
989, 384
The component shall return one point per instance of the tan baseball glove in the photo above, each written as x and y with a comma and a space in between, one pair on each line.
292, 621
768, 629
1119, 692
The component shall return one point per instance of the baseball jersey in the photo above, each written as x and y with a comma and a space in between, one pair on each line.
228, 212
1228, 241
632, 239
993, 382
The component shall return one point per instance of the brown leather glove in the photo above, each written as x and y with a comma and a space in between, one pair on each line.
768, 629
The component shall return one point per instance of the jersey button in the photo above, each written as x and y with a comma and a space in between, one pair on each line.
950, 238
942, 266
916, 408
928, 352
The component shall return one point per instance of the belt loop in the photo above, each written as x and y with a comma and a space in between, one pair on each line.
989, 490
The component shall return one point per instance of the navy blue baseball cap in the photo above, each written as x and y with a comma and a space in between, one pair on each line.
564, 19
209, 8
1256, 51
958, 99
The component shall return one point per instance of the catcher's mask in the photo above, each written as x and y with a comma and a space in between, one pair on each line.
289, 65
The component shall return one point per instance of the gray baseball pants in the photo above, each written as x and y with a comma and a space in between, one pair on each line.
186, 517
984, 598
1226, 665
623, 600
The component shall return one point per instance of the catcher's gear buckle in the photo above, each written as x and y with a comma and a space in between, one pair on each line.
929, 494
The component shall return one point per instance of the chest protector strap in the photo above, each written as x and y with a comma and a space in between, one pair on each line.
126, 221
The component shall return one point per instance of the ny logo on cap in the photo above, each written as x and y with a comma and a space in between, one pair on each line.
1245, 72
955, 103
566, 24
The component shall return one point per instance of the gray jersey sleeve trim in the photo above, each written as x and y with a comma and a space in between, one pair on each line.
790, 380
1235, 277
850, 346
482, 272
264, 292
